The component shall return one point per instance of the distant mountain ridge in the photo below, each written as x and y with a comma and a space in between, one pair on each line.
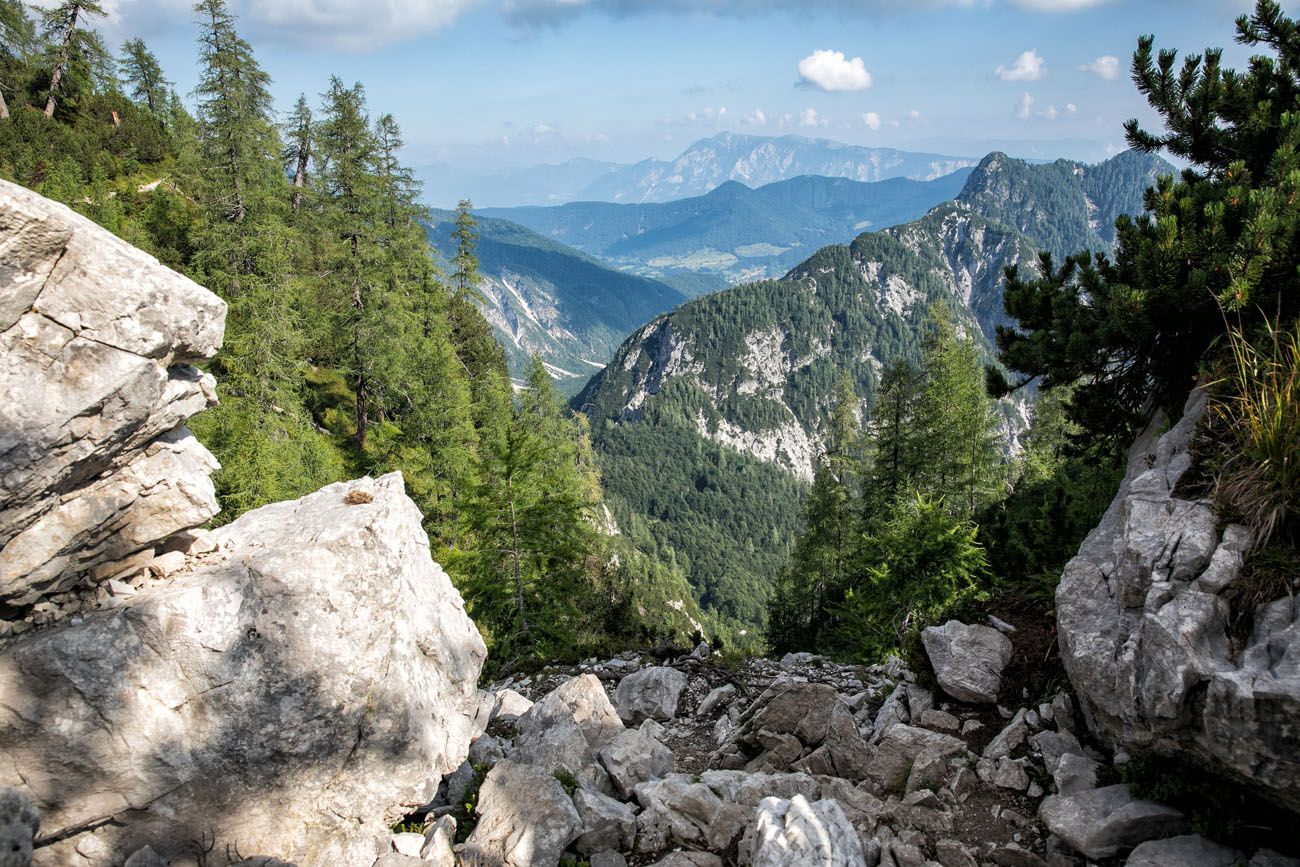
705, 165
728, 397
736, 232
545, 298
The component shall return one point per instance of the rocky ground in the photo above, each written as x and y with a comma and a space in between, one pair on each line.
679, 762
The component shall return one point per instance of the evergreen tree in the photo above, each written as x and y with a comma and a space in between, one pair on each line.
17, 34
958, 422
895, 458
77, 54
1130, 332
299, 135
465, 277
144, 76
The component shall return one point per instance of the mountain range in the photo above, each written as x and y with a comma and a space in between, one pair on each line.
544, 298
709, 418
736, 232
705, 165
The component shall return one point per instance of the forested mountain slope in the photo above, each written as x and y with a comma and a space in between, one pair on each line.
544, 298
735, 231
729, 396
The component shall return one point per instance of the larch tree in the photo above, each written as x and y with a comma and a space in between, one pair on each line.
299, 138
142, 73
465, 261
76, 52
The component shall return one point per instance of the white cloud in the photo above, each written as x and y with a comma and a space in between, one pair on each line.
872, 120
1025, 106
1029, 66
1071, 108
1050, 113
758, 118
832, 71
330, 23
1106, 66
914, 114
809, 117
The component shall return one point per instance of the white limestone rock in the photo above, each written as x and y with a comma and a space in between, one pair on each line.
1099, 823
797, 833
254, 698
525, 819
651, 693
98, 340
568, 727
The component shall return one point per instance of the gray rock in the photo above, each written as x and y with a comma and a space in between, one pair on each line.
19, 822
1103, 822
1009, 739
795, 726
607, 859
1191, 850
938, 720
145, 857
567, 728
633, 757
1269, 858
605, 822
953, 853
893, 710
486, 750
688, 859
651, 693
439, 838
408, 843
676, 811
716, 698
510, 705
1075, 773
891, 765
397, 859
525, 819
253, 697
968, 660
1010, 774
746, 789
98, 340
1142, 630
797, 833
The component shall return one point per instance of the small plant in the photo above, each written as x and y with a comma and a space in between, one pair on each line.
567, 780
357, 497
408, 826
1258, 413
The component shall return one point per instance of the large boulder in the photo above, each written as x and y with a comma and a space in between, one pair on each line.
99, 342
1141, 623
1102, 822
797, 833
651, 693
796, 726
525, 819
568, 727
967, 659
285, 698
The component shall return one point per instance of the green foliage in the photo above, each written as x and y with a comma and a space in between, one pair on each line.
919, 564
1225, 233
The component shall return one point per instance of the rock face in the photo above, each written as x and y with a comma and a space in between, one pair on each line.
526, 819
1101, 822
968, 660
98, 341
1141, 621
285, 696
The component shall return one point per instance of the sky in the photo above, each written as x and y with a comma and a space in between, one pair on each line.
482, 83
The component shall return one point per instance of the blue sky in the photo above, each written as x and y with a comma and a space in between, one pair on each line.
487, 82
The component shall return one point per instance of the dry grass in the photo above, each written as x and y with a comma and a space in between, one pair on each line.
1257, 410
357, 497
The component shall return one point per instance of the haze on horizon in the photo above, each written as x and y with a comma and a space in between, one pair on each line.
490, 83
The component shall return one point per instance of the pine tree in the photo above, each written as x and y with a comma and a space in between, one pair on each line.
17, 34
77, 54
299, 134
894, 459
465, 277
144, 76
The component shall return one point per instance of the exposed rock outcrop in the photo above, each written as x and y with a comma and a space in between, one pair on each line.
1142, 625
284, 697
98, 341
